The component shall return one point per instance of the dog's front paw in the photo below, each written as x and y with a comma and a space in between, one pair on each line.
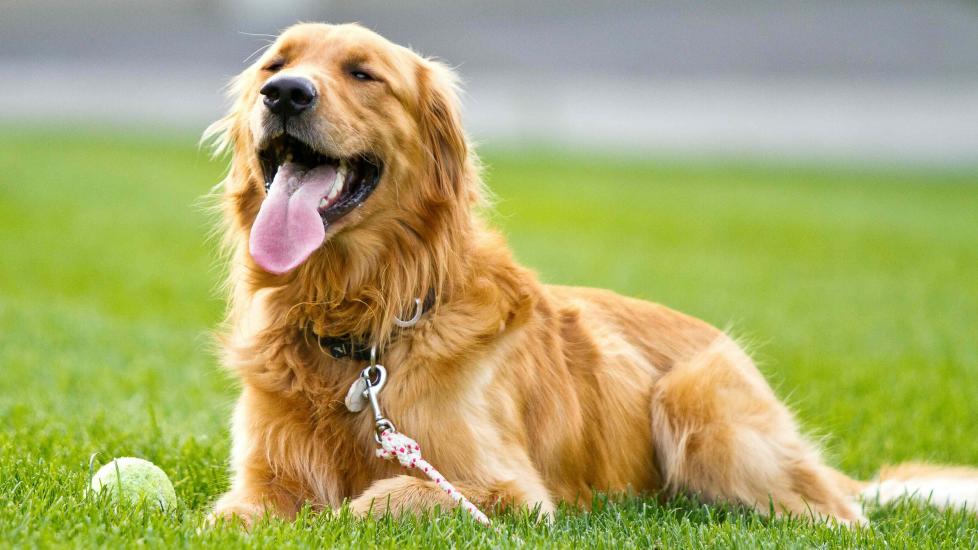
399, 495
231, 512
373, 503
363, 506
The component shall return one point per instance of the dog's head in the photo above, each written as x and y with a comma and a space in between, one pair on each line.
342, 142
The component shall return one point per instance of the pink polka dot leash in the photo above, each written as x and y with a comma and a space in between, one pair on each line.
395, 445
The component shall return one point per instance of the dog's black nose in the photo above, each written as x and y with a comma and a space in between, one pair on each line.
288, 95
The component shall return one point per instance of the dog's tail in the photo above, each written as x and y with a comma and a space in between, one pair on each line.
953, 487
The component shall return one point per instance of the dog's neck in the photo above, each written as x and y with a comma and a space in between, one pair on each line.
355, 294
480, 294
361, 280
360, 347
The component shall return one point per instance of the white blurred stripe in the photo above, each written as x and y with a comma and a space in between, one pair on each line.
103, 93
910, 121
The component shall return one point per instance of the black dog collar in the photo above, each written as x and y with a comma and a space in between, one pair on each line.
341, 347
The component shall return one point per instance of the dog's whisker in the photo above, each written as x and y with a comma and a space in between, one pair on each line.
256, 52
272, 37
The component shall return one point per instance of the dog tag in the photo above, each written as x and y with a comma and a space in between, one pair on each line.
356, 401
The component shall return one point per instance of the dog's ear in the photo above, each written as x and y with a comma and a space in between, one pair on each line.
441, 130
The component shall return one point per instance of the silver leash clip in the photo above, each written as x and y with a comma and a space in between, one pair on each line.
364, 392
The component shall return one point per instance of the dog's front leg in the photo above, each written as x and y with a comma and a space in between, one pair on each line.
255, 492
405, 494
257, 488
250, 504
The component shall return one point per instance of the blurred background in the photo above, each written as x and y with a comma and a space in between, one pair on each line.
843, 80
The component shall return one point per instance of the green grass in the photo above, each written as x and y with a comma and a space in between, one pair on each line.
859, 288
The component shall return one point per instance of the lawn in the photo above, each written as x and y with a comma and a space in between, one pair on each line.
858, 288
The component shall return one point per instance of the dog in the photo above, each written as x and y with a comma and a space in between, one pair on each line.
353, 201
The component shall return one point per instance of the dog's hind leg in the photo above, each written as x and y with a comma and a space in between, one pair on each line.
720, 432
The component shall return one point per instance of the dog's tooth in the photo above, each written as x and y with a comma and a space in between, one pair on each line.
323, 203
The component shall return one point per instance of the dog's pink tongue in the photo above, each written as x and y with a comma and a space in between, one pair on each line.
288, 227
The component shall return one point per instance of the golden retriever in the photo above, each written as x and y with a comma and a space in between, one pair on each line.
352, 191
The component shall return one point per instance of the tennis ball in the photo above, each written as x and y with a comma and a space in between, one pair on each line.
134, 480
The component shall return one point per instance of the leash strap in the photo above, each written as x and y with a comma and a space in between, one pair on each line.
394, 445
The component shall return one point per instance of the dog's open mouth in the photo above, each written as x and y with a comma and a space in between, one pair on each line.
306, 191
356, 177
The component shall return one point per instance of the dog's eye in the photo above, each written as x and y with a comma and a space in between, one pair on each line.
274, 65
361, 75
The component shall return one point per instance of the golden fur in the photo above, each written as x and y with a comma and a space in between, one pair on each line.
519, 392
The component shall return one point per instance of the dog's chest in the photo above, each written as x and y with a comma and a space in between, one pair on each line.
337, 459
